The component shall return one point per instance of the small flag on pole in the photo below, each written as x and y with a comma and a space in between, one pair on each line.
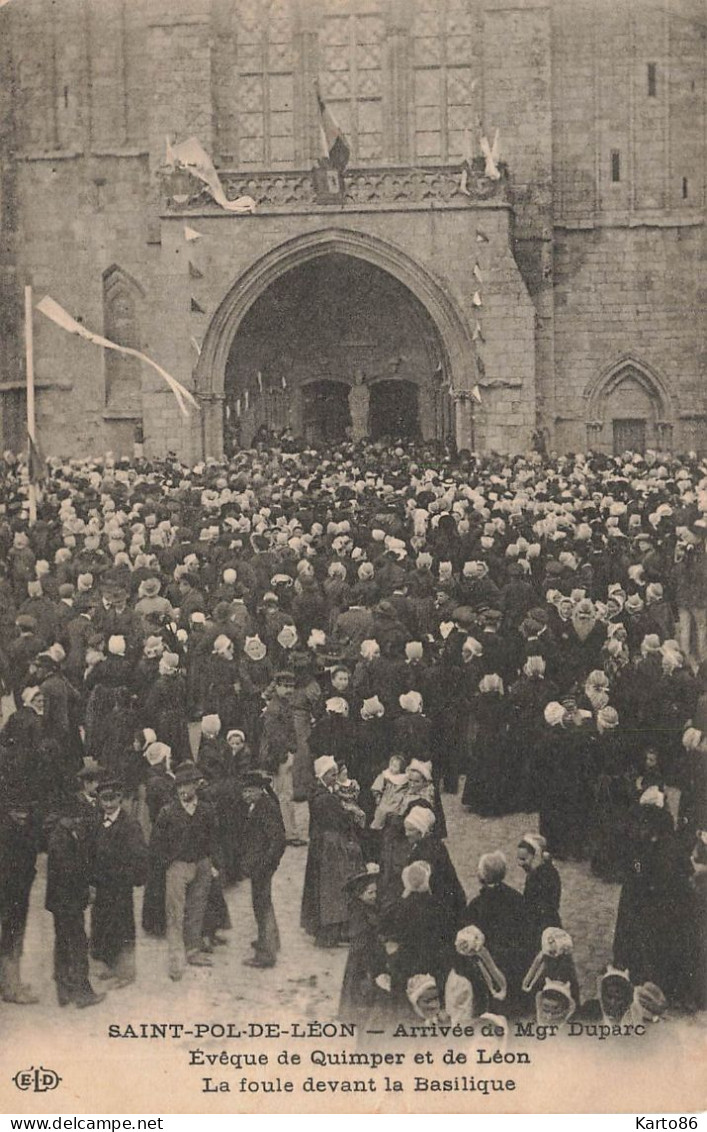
477, 273
478, 336
481, 237
334, 144
195, 308
192, 156
467, 158
194, 271
490, 152
191, 234
51, 309
476, 394
476, 299
37, 464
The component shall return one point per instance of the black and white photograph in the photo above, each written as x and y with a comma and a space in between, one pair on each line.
353, 556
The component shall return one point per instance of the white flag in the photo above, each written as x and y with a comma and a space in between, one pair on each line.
477, 273
191, 234
490, 152
192, 156
476, 394
476, 299
62, 318
477, 336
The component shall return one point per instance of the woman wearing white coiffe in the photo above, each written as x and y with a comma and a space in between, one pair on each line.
333, 857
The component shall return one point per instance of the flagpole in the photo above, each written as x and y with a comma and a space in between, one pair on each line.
31, 430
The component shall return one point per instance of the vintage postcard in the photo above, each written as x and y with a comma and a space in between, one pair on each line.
353, 567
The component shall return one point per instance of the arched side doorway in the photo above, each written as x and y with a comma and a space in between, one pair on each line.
326, 415
337, 334
393, 411
630, 409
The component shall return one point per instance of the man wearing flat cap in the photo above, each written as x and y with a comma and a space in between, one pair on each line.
263, 847
277, 749
119, 865
185, 844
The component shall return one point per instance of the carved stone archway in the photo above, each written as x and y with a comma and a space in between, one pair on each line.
629, 392
454, 337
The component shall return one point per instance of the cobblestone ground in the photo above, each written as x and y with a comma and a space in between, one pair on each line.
306, 981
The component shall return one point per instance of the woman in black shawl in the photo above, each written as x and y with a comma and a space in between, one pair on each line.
333, 857
543, 887
366, 959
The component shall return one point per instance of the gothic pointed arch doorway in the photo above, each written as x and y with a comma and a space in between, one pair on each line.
331, 315
630, 409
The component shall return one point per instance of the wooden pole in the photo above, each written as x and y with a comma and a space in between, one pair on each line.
31, 430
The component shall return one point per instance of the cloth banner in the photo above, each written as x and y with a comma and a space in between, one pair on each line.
51, 309
192, 156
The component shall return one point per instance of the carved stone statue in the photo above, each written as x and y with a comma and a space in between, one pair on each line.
358, 405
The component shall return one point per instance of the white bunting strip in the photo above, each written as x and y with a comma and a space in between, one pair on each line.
192, 156
51, 309
490, 152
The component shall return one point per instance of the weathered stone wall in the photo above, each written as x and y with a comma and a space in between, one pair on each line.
591, 271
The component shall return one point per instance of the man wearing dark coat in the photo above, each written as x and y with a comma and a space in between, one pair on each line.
278, 744
18, 856
263, 846
185, 843
120, 864
67, 896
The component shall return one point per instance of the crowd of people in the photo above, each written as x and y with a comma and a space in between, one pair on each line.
299, 650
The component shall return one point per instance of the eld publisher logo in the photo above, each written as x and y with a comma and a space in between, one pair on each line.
39, 1080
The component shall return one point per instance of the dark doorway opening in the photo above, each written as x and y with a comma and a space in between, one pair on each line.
393, 411
326, 410
629, 436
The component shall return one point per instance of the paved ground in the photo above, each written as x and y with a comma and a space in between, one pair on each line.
306, 980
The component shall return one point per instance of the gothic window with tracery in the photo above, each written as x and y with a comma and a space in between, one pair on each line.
122, 296
351, 74
265, 88
444, 101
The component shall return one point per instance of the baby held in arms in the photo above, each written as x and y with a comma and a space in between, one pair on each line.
395, 787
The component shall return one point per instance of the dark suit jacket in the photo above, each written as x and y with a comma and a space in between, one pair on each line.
264, 839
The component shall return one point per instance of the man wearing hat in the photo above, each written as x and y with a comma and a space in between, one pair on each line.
277, 749
67, 897
263, 846
185, 844
120, 864
21, 652
18, 856
86, 799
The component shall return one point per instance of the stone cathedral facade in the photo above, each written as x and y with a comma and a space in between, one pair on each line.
570, 290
